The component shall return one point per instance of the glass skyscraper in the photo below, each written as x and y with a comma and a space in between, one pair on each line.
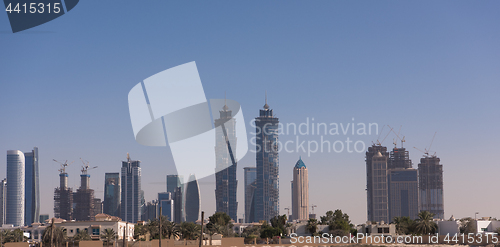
250, 185
131, 199
15, 188
175, 185
430, 185
32, 188
3, 200
167, 205
225, 177
111, 204
267, 191
192, 209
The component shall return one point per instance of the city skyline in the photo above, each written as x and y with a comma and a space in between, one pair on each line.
427, 67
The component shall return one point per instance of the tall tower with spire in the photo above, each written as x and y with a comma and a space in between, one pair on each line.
225, 176
131, 199
300, 192
267, 162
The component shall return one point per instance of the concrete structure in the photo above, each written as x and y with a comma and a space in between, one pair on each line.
403, 193
112, 191
399, 158
379, 188
97, 206
225, 177
431, 186
487, 226
300, 192
267, 159
451, 227
63, 198
3, 201
379, 228
192, 205
84, 199
373, 150
32, 188
131, 199
250, 174
15, 188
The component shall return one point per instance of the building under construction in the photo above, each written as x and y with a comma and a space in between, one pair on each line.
84, 198
63, 196
431, 185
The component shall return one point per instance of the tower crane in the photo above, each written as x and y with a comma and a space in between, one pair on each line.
63, 165
379, 143
427, 150
398, 136
86, 167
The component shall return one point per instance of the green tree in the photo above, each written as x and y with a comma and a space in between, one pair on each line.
171, 229
404, 225
140, 230
268, 231
108, 235
82, 236
279, 222
189, 230
312, 226
467, 225
338, 223
221, 223
425, 224
57, 239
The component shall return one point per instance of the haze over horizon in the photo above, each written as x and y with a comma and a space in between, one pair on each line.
427, 66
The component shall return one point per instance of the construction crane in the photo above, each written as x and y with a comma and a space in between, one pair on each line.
427, 150
63, 165
398, 136
312, 207
86, 167
379, 143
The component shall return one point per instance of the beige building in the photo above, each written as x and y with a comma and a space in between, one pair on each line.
300, 192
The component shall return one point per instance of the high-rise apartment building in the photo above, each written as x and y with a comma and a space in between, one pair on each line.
225, 176
192, 205
111, 204
15, 188
300, 192
32, 188
379, 188
431, 186
403, 193
250, 177
3, 200
131, 198
267, 191
372, 151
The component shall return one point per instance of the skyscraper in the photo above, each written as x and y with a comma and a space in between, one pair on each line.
63, 197
250, 186
267, 191
372, 151
84, 199
32, 188
225, 176
111, 204
15, 188
192, 205
3, 200
131, 199
166, 202
175, 185
403, 193
300, 192
379, 185
431, 186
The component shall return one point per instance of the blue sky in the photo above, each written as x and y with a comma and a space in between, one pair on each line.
427, 66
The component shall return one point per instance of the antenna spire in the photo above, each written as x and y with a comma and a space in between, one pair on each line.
266, 106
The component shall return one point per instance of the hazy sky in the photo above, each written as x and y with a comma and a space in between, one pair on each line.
427, 66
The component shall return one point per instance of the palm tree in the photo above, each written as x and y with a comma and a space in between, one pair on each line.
189, 230
54, 235
3, 236
312, 226
17, 235
425, 224
108, 235
82, 236
171, 229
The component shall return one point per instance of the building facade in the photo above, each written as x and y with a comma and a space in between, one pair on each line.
84, 200
175, 185
166, 203
63, 198
431, 186
192, 205
225, 176
403, 193
379, 188
267, 160
15, 188
3, 201
131, 199
112, 190
300, 192
250, 177
372, 151
32, 188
